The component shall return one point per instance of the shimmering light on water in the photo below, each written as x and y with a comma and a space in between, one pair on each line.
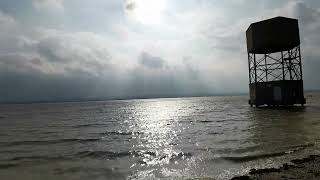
215, 137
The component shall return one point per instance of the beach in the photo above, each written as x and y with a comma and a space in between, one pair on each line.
306, 168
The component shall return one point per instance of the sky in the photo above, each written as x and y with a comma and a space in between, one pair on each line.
55, 50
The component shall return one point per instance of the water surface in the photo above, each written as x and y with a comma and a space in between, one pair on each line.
179, 138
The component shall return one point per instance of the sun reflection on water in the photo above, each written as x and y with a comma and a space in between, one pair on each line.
158, 120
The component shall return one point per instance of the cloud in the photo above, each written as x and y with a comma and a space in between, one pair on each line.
300, 10
6, 22
53, 64
150, 61
58, 65
130, 5
66, 51
30, 85
156, 78
309, 20
8, 32
127, 59
19, 62
49, 5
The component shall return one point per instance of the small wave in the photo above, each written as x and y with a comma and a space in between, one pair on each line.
230, 121
114, 155
107, 173
302, 145
135, 154
39, 158
7, 166
23, 160
88, 125
215, 133
298, 148
48, 142
103, 154
179, 156
173, 144
206, 121
122, 133
238, 150
166, 158
14, 151
185, 121
239, 159
102, 170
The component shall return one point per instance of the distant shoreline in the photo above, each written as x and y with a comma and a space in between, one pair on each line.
306, 169
118, 99
97, 99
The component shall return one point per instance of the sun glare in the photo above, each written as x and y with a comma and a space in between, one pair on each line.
148, 12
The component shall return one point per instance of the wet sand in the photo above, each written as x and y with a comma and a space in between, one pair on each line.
306, 168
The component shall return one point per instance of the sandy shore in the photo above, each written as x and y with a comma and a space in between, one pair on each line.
306, 168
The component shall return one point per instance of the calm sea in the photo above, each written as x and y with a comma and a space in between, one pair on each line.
179, 138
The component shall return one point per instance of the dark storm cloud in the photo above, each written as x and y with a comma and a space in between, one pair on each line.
36, 86
150, 61
20, 63
306, 14
49, 53
24, 78
71, 51
56, 65
155, 78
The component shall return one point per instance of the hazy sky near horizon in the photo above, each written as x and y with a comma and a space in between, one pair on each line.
69, 49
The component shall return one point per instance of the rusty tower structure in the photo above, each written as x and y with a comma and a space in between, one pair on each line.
274, 58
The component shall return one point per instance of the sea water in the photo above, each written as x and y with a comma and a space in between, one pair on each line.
177, 138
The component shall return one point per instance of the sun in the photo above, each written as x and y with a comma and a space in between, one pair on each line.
148, 12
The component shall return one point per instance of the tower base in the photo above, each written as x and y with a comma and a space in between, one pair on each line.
277, 93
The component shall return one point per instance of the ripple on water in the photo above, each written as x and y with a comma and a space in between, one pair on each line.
48, 142
121, 133
240, 159
90, 125
154, 155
